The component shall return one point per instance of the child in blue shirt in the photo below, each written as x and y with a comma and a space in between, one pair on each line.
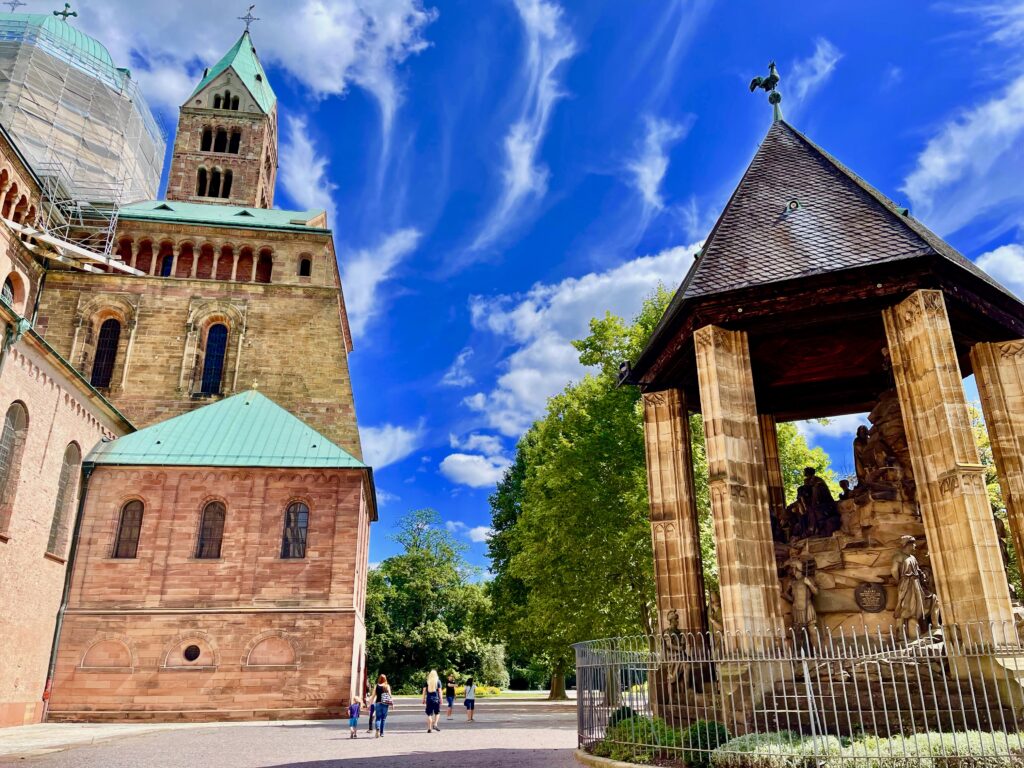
353, 718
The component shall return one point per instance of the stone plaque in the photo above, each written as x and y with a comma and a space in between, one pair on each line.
870, 597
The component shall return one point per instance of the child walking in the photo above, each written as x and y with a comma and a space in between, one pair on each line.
353, 718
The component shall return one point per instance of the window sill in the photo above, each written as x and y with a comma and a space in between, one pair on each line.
205, 560
4, 538
197, 668
55, 558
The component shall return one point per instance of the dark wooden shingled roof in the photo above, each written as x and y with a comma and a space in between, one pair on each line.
841, 226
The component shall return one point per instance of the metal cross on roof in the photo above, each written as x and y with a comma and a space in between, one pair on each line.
249, 18
14, 4
66, 12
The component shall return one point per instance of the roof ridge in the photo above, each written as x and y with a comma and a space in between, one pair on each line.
250, 72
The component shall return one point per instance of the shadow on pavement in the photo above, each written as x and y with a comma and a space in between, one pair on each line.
470, 758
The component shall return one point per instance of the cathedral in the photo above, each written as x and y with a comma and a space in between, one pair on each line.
184, 512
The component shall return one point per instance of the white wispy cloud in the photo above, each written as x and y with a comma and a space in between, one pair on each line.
304, 171
389, 443
474, 470
489, 445
458, 374
364, 271
972, 166
540, 325
385, 497
808, 75
648, 168
1006, 264
478, 534
549, 43
326, 45
833, 427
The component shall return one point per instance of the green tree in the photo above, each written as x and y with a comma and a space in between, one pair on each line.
422, 610
571, 552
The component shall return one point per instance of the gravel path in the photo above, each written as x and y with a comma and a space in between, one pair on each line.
507, 734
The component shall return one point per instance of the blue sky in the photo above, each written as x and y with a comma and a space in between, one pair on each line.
499, 171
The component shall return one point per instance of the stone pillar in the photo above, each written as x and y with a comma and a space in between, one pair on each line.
738, 484
174, 261
674, 530
999, 373
234, 266
773, 465
950, 480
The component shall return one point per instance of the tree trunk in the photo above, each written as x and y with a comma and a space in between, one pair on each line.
558, 682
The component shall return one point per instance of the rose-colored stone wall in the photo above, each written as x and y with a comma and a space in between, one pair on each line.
31, 578
277, 638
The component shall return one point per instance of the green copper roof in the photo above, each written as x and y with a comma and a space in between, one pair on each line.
243, 60
59, 38
245, 430
220, 215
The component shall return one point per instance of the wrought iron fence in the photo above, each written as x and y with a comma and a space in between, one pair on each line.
948, 699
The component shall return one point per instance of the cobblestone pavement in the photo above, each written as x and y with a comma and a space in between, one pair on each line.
505, 734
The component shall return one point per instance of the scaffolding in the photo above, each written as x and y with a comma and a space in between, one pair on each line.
82, 123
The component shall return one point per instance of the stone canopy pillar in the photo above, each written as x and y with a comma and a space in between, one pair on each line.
962, 543
773, 465
675, 535
738, 484
999, 373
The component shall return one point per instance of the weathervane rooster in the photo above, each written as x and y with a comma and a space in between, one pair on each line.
768, 84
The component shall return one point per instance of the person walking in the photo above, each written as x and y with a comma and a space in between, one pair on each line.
470, 696
382, 702
449, 694
432, 700
353, 717
373, 713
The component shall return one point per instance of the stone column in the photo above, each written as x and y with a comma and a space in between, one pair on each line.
772, 465
950, 480
999, 373
174, 261
674, 530
234, 266
738, 483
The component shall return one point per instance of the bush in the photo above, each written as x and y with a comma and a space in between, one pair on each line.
482, 691
966, 749
620, 714
698, 741
783, 749
639, 740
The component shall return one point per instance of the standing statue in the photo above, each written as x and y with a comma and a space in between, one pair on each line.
1001, 534
906, 572
861, 459
800, 593
822, 513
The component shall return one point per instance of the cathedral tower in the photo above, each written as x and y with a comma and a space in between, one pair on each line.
225, 150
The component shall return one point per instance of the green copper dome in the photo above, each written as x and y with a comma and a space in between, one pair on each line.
70, 38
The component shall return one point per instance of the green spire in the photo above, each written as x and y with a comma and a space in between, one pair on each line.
242, 59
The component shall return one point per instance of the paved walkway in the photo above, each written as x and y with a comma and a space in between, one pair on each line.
506, 734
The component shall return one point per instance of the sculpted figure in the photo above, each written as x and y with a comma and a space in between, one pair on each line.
861, 459
906, 572
822, 514
800, 593
846, 492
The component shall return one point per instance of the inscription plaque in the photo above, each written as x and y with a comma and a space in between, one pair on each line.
870, 597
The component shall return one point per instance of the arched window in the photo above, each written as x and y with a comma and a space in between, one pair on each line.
201, 183
296, 522
214, 190
264, 267
66, 486
220, 143
207, 140
129, 526
166, 263
226, 188
218, 100
234, 103
106, 353
211, 531
305, 267
213, 360
7, 292
236, 142
227, 99
12, 442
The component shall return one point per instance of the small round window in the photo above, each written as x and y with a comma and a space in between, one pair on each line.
191, 653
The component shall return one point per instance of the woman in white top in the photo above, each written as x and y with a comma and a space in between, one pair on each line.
470, 696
